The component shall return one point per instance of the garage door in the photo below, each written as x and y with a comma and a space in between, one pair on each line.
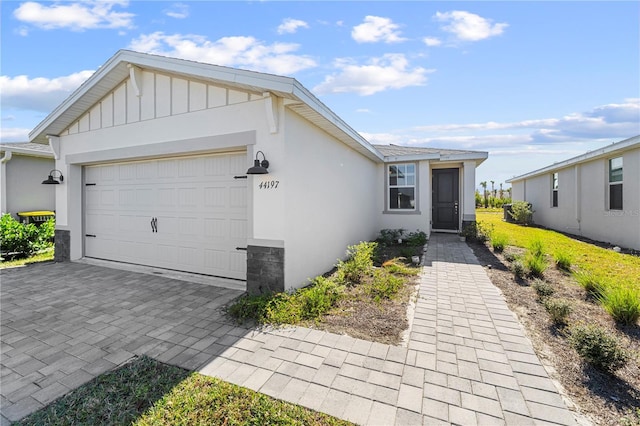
186, 214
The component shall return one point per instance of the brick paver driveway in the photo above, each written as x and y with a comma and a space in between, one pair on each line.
63, 324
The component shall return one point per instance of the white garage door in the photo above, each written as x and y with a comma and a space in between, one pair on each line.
187, 213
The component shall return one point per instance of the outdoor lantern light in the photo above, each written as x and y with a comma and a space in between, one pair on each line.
53, 181
259, 167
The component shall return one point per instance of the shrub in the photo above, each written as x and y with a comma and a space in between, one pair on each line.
390, 236
16, 237
598, 347
510, 257
358, 265
536, 265
499, 242
593, 285
317, 299
521, 212
559, 310
518, 269
416, 239
563, 260
384, 285
476, 231
249, 307
622, 302
543, 289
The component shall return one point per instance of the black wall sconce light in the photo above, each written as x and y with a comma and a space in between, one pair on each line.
259, 167
52, 180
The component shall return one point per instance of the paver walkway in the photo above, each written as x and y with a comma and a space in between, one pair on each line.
467, 360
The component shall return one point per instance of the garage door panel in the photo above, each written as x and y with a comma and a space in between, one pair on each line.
199, 206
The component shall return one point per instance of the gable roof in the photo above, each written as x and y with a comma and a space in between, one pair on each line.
116, 70
27, 148
403, 153
617, 147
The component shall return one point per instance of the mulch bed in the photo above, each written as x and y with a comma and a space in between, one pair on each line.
605, 399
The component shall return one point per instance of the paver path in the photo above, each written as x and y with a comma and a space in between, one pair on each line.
467, 360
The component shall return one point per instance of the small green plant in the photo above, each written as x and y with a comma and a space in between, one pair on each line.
536, 265
622, 302
499, 242
598, 347
476, 231
416, 239
510, 257
384, 285
359, 263
536, 248
559, 310
319, 298
521, 212
518, 269
543, 289
593, 285
390, 237
563, 260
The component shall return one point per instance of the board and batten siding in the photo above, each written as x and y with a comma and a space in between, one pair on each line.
161, 95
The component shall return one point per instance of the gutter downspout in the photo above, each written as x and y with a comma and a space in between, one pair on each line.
3, 180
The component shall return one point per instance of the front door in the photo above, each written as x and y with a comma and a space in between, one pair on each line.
445, 199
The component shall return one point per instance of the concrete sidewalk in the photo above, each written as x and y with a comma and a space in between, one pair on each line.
467, 360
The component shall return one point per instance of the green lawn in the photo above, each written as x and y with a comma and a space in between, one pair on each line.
40, 257
613, 267
147, 392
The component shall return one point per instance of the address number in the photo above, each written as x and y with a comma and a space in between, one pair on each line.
269, 184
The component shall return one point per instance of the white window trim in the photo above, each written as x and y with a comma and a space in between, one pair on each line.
387, 189
609, 183
555, 179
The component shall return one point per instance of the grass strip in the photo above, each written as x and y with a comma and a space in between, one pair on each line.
148, 392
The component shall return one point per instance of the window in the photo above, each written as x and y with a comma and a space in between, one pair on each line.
554, 190
615, 183
402, 186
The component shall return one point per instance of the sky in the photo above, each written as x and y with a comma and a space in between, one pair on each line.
531, 83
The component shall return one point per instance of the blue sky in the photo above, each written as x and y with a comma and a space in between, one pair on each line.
532, 83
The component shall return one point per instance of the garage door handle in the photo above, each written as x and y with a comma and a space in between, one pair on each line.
154, 224
241, 248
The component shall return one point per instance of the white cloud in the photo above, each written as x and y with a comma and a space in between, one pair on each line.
78, 16
178, 11
432, 41
363, 110
238, 51
290, 26
14, 134
377, 29
468, 26
38, 94
391, 71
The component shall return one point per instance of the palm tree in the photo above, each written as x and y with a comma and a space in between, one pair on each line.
493, 191
484, 187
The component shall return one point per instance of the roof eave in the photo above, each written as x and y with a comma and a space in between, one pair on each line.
623, 145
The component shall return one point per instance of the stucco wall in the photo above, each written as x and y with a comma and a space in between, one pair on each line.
583, 200
24, 189
331, 196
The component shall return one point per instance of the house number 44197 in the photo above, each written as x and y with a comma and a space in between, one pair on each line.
269, 184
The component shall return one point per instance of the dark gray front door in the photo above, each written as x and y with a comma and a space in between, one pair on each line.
445, 199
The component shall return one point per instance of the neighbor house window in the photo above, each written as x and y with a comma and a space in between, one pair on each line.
554, 190
402, 186
615, 183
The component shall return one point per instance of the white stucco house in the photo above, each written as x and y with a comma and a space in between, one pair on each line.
23, 167
594, 195
156, 150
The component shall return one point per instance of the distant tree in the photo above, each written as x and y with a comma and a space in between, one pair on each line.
484, 187
501, 191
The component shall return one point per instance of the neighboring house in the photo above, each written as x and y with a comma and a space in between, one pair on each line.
23, 167
155, 153
595, 195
